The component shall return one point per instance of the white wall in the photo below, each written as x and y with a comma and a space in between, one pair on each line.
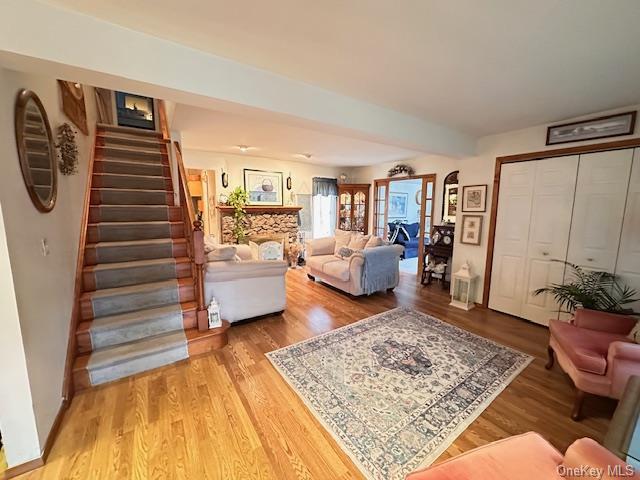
301, 173
43, 284
479, 170
17, 418
410, 187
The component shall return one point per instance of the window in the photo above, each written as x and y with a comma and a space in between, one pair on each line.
324, 215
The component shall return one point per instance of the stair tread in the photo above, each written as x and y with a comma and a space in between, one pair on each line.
131, 149
124, 160
148, 222
135, 317
135, 264
118, 354
109, 174
131, 205
132, 243
131, 190
139, 316
107, 127
127, 136
138, 288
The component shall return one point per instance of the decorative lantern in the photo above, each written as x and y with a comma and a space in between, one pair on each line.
464, 288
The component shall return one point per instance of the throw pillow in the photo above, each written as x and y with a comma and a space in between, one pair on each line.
255, 250
344, 252
222, 253
403, 235
342, 239
634, 334
374, 242
244, 252
209, 243
358, 241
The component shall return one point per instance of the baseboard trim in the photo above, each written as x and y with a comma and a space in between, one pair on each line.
23, 468
48, 444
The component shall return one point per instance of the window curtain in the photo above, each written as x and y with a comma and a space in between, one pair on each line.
325, 187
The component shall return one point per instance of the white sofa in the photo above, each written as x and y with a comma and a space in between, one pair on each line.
347, 274
246, 288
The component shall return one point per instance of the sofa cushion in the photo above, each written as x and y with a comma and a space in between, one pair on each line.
222, 253
412, 229
587, 349
358, 241
634, 334
343, 238
374, 242
244, 252
317, 261
321, 246
338, 269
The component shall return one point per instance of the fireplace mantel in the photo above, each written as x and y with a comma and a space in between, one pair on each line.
257, 209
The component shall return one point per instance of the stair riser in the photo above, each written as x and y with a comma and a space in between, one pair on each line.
124, 232
129, 168
130, 141
123, 277
119, 197
127, 154
84, 344
133, 132
91, 308
159, 213
131, 181
95, 255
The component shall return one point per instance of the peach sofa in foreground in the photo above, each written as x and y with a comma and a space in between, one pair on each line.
530, 457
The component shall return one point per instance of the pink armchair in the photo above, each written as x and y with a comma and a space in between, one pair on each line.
593, 349
530, 457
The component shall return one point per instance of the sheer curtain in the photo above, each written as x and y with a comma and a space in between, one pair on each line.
325, 200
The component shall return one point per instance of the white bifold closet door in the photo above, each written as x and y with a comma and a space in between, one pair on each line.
601, 195
532, 229
628, 264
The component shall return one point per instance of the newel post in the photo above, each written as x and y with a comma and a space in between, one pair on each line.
200, 262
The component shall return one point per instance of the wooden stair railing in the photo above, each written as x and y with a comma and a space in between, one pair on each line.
195, 240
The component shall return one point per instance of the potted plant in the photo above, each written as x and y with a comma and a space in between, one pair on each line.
592, 290
238, 200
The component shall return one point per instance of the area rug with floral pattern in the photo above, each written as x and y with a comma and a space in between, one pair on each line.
396, 389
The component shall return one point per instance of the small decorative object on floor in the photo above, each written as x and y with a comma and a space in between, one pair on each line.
401, 169
295, 249
67, 149
214, 315
464, 283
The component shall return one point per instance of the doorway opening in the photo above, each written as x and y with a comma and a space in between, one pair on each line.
403, 214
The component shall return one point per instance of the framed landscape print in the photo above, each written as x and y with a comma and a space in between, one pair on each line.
263, 187
601, 127
474, 198
471, 229
398, 205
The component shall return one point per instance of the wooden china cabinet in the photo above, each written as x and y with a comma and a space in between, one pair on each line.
353, 207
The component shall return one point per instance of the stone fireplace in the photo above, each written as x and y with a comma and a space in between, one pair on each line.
262, 222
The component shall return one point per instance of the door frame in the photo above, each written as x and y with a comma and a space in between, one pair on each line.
426, 178
525, 157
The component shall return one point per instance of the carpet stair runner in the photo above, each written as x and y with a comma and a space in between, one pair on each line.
138, 309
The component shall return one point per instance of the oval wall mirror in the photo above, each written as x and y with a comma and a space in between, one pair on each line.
36, 150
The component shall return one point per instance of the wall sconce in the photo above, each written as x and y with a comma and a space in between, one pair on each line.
289, 181
225, 179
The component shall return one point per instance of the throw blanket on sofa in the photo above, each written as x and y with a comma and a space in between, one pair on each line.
380, 269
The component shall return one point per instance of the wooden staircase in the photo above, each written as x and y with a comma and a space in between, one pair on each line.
141, 300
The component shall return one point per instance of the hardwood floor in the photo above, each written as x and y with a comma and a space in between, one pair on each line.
229, 415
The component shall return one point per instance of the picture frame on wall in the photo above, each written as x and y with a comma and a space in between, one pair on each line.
601, 127
471, 229
263, 187
73, 104
474, 198
398, 205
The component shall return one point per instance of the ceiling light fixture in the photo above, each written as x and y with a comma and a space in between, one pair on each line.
244, 148
306, 156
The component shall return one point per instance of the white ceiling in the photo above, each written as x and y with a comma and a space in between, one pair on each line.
204, 129
478, 66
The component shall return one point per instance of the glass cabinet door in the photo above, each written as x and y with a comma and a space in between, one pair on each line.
344, 216
359, 211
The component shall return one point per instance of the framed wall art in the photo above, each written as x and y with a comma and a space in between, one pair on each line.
73, 104
398, 205
474, 198
471, 229
601, 127
263, 187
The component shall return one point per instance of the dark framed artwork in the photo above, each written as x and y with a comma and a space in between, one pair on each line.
474, 198
73, 104
263, 187
135, 111
471, 229
600, 127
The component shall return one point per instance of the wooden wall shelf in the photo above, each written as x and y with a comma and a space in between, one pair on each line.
255, 209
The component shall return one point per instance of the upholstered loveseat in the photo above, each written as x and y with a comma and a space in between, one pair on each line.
352, 274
